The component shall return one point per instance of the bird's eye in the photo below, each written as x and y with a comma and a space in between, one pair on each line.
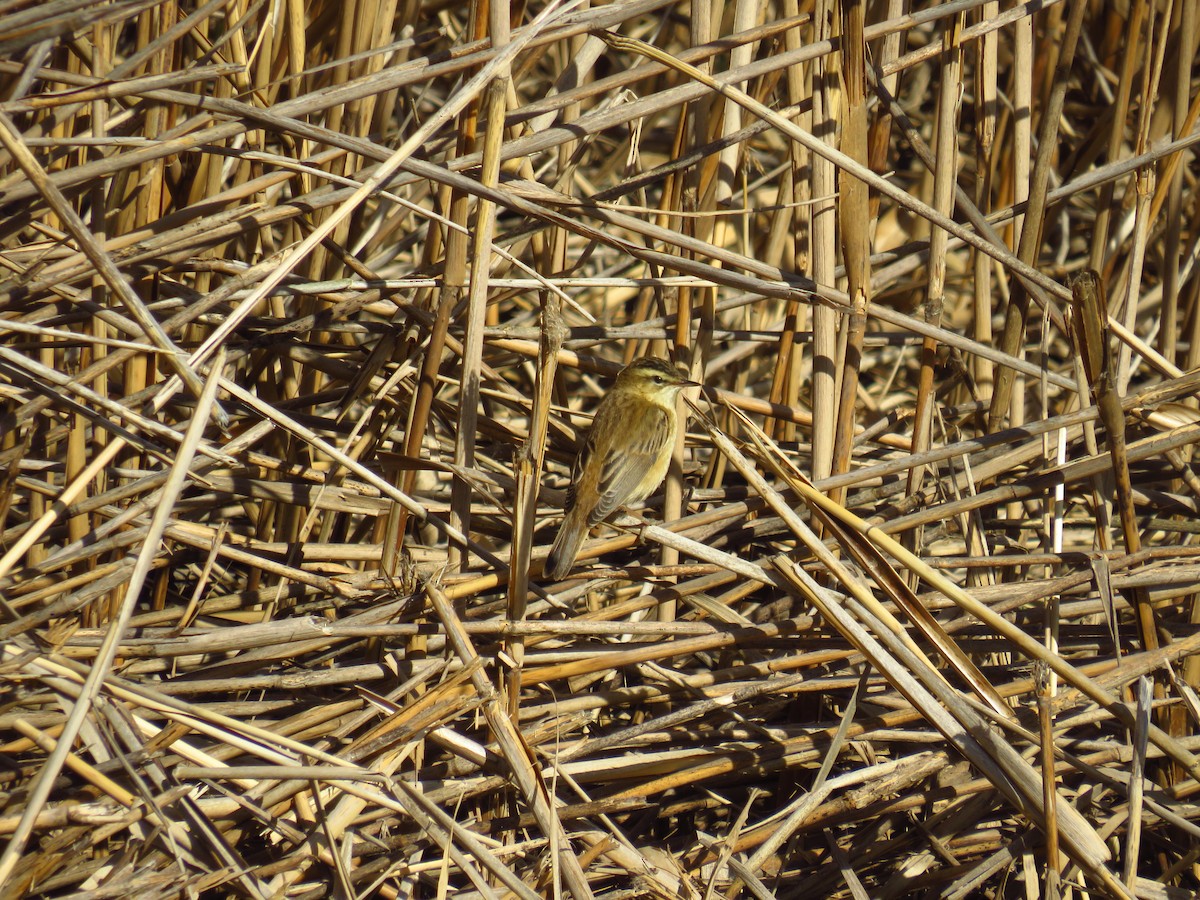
658, 379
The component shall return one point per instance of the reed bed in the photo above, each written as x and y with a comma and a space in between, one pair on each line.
303, 309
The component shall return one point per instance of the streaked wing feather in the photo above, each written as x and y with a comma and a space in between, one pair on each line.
624, 471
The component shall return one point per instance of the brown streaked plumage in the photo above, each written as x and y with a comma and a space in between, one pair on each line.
625, 456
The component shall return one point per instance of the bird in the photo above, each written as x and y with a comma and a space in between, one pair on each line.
625, 456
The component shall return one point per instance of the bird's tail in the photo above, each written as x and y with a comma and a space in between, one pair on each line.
566, 547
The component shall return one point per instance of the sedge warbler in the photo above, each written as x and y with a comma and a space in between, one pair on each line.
625, 455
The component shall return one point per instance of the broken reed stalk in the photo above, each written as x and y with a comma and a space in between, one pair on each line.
407, 247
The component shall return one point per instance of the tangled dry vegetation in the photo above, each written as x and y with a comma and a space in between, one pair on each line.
304, 305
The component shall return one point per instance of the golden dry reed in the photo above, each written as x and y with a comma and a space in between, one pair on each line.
305, 308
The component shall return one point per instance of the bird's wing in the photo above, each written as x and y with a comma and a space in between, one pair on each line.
624, 469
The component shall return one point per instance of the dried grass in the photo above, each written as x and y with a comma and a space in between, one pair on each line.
303, 307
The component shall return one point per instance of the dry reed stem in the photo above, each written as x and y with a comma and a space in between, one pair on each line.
302, 312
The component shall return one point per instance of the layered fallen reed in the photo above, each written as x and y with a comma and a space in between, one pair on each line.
303, 308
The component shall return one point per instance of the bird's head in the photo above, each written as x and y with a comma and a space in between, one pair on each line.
653, 378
